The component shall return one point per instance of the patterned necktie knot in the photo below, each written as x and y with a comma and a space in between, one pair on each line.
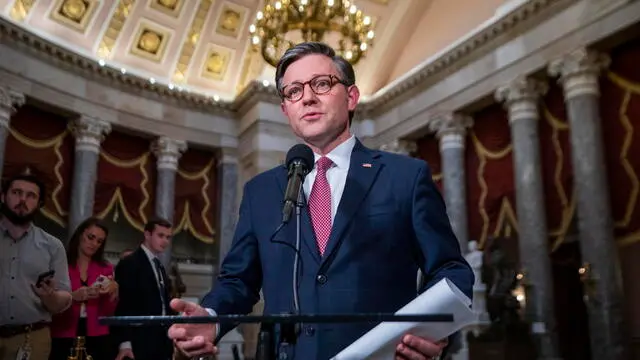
323, 164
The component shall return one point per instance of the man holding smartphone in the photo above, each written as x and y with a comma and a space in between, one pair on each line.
33, 271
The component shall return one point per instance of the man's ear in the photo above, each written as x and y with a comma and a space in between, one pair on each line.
353, 97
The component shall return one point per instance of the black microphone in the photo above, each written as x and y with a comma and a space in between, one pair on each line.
300, 161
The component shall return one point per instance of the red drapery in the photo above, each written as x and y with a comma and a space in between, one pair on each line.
489, 171
196, 199
39, 140
126, 179
620, 114
429, 151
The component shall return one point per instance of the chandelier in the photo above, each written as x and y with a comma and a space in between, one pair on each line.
284, 23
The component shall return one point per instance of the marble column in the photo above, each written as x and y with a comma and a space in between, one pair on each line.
89, 133
228, 197
451, 128
167, 152
578, 72
521, 98
9, 102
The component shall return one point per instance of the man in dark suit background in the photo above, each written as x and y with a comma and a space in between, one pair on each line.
144, 290
371, 220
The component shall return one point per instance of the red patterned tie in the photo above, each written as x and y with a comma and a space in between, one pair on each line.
320, 204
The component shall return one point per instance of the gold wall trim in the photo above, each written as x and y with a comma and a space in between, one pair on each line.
483, 153
204, 175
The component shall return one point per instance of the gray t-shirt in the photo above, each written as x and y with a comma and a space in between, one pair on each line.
21, 262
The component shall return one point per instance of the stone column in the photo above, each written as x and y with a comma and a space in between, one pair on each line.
521, 101
579, 72
167, 152
9, 101
451, 129
89, 133
228, 195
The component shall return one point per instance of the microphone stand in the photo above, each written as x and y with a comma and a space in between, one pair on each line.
268, 348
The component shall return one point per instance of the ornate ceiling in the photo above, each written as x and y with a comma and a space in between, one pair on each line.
199, 45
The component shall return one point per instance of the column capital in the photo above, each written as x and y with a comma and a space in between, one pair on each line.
9, 101
399, 146
450, 128
168, 152
89, 132
579, 71
521, 97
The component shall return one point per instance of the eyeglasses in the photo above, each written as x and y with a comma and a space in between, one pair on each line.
320, 84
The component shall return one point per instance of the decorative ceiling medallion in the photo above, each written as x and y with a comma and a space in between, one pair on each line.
150, 41
169, 7
231, 20
76, 14
217, 62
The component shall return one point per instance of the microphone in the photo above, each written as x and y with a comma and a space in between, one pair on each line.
300, 161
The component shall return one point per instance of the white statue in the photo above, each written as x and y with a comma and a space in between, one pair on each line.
474, 258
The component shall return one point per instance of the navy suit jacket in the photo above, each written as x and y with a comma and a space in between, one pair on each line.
390, 222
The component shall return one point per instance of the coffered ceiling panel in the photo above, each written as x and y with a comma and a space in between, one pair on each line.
196, 45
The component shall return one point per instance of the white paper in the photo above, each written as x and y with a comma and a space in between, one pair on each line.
442, 298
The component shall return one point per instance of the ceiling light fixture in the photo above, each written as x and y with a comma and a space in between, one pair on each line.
284, 23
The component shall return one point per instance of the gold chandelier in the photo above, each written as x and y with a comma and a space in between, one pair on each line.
283, 23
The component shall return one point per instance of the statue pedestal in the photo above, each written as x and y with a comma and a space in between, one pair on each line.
479, 305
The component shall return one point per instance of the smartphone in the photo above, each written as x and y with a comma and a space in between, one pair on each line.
45, 277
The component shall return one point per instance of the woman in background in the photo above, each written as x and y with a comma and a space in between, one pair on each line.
94, 293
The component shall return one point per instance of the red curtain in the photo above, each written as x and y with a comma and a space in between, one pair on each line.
557, 172
429, 151
620, 114
39, 140
126, 179
489, 171
196, 198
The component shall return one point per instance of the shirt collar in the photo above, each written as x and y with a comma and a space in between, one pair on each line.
341, 154
4, 227
148, 252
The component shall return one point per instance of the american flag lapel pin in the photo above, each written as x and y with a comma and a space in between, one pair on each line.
367, 165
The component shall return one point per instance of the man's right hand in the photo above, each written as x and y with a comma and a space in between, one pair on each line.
124, 354
192, 339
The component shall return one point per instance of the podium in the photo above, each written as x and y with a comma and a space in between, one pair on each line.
285, 325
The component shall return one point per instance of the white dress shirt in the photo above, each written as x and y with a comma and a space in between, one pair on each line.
336, 175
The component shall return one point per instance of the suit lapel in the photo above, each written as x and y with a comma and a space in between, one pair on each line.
149, 273
306, 228
363, 170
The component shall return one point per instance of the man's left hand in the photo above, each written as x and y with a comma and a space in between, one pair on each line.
46, 290
416, 348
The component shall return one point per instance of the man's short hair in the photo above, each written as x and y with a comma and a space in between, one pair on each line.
150, 226
28, 177
345, 69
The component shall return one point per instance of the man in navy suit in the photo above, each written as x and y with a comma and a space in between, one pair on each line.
371, 220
